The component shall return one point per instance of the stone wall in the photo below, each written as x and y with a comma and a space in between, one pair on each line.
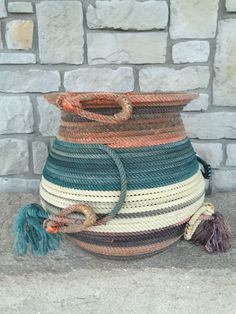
70, 45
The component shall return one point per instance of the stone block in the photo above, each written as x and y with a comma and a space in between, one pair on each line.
231, 155
19, 185
40, 154
191, 51
230, 5
34, 81
49, 117
16, 115
157, 78
100, 80
19, 34
60, 31
17, 58
224, 180
224, 91
20, 7
193, 18
14, 157
210, 125
138, 48
201, 103
1, 45
3, 11
128, 14
210, 152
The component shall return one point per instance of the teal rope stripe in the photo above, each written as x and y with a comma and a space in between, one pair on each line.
94, 166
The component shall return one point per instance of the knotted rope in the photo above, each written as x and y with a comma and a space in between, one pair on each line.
156, 165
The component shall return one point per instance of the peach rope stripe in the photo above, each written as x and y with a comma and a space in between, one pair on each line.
103, 100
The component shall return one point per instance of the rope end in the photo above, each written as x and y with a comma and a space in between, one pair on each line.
213, 234
29, 232
209, 229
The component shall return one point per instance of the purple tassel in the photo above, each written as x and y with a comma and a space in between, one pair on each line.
213, 234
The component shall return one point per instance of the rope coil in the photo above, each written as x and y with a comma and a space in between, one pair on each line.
121, 183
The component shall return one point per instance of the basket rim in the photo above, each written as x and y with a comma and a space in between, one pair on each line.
143, 99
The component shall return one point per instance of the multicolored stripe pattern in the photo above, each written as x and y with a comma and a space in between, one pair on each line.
165, 186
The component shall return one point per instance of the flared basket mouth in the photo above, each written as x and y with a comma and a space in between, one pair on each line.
69, 101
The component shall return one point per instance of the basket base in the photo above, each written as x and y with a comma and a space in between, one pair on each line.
125, 254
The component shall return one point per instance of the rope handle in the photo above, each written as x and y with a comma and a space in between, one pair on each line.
207, 168
72, 103
60, 223
203, 213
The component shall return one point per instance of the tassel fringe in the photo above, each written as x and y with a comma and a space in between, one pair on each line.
213, 234
29, 232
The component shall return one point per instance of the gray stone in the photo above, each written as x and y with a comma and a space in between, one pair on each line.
19, 34
29, 81
3, 11
128, 14
49, 117
224, 180
14, 157
231, 155
19, 185
17, 58
20, 7
211, 152
100, 79
40, 154
191, 51
224, 91
193, 18
60, 29
148, 47
16, 115
230, 5
201, 103
210, 125
157, 78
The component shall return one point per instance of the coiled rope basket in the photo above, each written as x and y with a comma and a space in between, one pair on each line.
121, 179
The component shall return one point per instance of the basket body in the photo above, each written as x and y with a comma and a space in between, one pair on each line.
164, 184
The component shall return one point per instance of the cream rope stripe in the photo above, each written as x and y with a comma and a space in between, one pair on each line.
129, 207
182, 193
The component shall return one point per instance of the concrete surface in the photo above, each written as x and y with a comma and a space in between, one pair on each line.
183, 279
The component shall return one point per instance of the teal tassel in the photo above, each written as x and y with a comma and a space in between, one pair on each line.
29, 231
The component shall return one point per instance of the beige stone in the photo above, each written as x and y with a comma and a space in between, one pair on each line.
19, 34
139, 48
193, 18
199, 104
100, 79
157, 78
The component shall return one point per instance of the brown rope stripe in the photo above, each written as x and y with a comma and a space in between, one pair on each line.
128, 251
134, 240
